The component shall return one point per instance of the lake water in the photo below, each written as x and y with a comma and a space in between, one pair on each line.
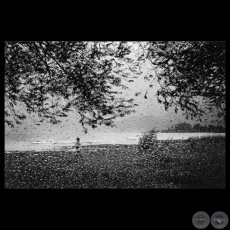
24, 142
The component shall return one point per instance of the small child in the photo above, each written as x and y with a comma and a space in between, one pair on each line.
78, 145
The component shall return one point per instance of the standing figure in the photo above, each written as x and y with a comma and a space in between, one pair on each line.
78, 145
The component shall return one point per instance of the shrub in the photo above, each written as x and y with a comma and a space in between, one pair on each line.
147, 142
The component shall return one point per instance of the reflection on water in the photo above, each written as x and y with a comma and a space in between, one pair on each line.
34, 142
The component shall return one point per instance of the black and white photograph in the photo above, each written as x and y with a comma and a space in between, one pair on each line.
114, 115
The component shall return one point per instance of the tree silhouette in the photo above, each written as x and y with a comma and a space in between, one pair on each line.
183, 127
186, 127
197, 128
53, 78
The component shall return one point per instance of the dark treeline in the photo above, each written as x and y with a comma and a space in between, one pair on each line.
185, 127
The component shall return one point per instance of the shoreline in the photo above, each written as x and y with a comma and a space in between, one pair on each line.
69, 146
72, 149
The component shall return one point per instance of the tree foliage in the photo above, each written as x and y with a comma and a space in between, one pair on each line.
53, 78
188, 71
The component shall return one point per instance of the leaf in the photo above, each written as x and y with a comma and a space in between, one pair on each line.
145, 96
136, 94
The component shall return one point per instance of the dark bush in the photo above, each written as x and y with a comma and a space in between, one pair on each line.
148, 141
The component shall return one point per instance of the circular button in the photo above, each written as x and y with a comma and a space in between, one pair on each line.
219, 220
200, 220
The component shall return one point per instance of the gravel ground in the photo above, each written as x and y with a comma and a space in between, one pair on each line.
197, 163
